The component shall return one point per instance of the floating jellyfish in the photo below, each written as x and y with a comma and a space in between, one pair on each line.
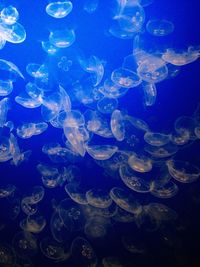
159, 27
9, 15
137, 123
117, 125
5, 153
183, 171
133, 181
51, 106
107, 105
125, 200
131, 17
101, 152
123, 216
90, 6
71, 214
49, 48
125, 78
72, 118
33, 223
25, 244
180, 58
162, 151
27, 102
150, 94
2, 42
37, 70
152, 69
156, 139
53, 250
59, 9
6, 87
168, 190
76, 193
11, 69
14, 33
82, 252
181, 138
112, 90
98, 198
140, 163
4, 107
62, 38
186, 124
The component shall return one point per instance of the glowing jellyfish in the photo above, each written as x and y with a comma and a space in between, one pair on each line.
159, 27
9, 15
98, 198
62, 38
14, 33
183, 171
125, 78
6, 87
101, 152
107, 105
156, 139
117, 125
59, 9
140, 163
82, 252
133, 181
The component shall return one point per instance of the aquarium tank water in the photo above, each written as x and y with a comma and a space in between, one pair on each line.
99, 133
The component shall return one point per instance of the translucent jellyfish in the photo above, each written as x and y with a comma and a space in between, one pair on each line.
7, 258
140, 163
76, 193
59, 9
181, 138
107, 105
25, 244
26, 130
167, 190
152, 69
117, 125
71, 214
53, 250
186, 124
5, 153
65, 99
90, 6
33, 223
27, 207
156, 139
98, 198
73, 118
2, 42
6, 87
96, 227
183, 171
180, 58
27, 102
51, 106
49, 48
4, 107
11, 69
101, 152
125, 200
117, 31
150, 94
137, 123
133, 181
6, 190
131, 17
97, 123
9, 15
83, 253
112, 90
125, 78
76, 139
160, 27
50, 175
14, 33
60, 230
36, 195
37, 70
162, 151
62, 38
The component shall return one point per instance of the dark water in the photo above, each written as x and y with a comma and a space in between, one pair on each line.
82, 233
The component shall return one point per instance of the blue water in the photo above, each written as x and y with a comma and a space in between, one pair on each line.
153, 241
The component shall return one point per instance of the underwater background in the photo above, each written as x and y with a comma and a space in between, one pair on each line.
99, 133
